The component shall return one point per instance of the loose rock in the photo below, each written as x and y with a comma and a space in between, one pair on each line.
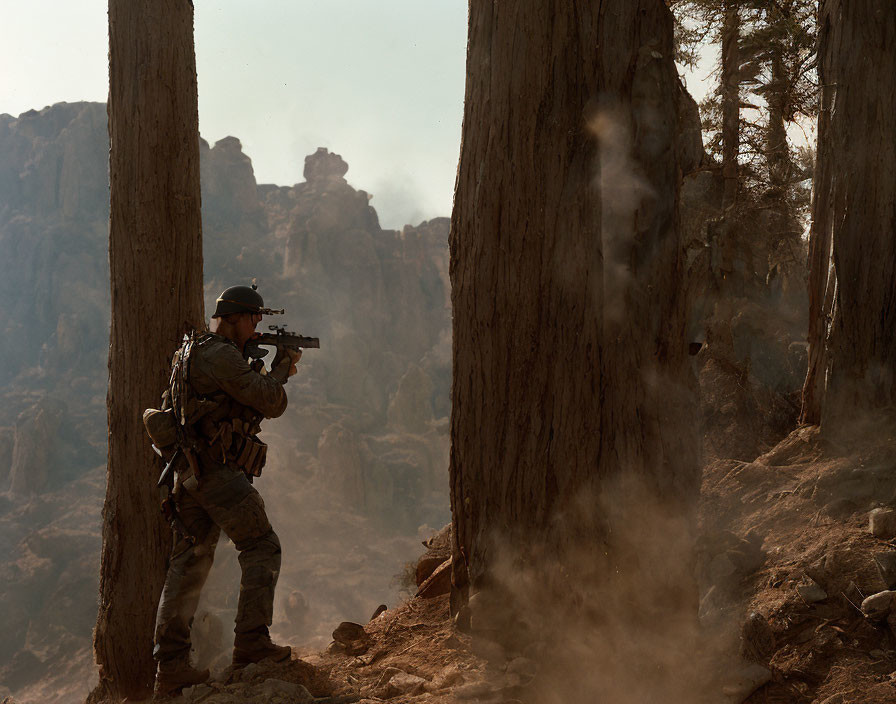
882, 523
877, 606
351, 637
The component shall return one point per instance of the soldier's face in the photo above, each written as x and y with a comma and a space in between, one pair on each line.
245, 327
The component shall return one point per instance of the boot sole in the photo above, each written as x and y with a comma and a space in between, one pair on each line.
241, 662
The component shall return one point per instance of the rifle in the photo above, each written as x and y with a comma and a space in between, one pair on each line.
279, 337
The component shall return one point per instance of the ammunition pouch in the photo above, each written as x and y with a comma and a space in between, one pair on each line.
161, 426
249, 454
237, 443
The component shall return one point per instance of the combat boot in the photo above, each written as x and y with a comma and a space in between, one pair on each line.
174, 675
257, 646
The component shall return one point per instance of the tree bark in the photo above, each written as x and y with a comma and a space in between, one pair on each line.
852, 372
155, 261
572, 396
730, 81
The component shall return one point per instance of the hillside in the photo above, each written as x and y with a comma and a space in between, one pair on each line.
358, 463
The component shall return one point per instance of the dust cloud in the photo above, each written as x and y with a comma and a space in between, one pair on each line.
614, 618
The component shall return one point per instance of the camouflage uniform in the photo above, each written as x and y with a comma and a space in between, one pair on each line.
221, 498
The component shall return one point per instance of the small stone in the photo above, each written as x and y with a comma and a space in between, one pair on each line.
882, 523
877, 606
380, 610
346, 632
810, 591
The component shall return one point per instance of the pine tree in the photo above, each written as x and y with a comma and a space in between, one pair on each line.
766, 84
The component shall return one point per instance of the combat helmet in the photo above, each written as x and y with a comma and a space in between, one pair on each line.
241, 299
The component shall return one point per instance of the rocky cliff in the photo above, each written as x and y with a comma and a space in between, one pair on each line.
359, 459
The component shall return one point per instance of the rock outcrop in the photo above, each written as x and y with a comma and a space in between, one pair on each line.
349, 451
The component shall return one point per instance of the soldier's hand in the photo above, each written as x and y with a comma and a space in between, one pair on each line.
285, 362
294, 357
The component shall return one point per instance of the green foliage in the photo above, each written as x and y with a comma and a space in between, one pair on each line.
778, 88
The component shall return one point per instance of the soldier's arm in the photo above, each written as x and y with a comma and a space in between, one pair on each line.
226, 367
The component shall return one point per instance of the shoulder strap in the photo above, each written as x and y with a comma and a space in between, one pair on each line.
179, 389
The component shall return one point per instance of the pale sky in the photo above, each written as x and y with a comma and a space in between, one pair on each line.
380, 83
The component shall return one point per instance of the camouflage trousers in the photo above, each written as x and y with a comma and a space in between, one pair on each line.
223, 500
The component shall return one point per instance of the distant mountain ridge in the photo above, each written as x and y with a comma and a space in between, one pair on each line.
367, 424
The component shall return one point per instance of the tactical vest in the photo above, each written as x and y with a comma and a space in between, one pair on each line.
214, 425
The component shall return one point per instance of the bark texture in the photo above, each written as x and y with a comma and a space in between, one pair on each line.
852, 336
571, 384
155, 260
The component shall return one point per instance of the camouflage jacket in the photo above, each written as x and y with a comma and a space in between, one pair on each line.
216, 364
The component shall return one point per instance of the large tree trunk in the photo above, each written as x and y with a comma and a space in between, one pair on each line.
155, 261
852, 370
572, 433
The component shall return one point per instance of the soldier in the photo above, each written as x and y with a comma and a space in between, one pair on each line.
222, 399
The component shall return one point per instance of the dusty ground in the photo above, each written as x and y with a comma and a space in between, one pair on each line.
806, 504
795, 517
